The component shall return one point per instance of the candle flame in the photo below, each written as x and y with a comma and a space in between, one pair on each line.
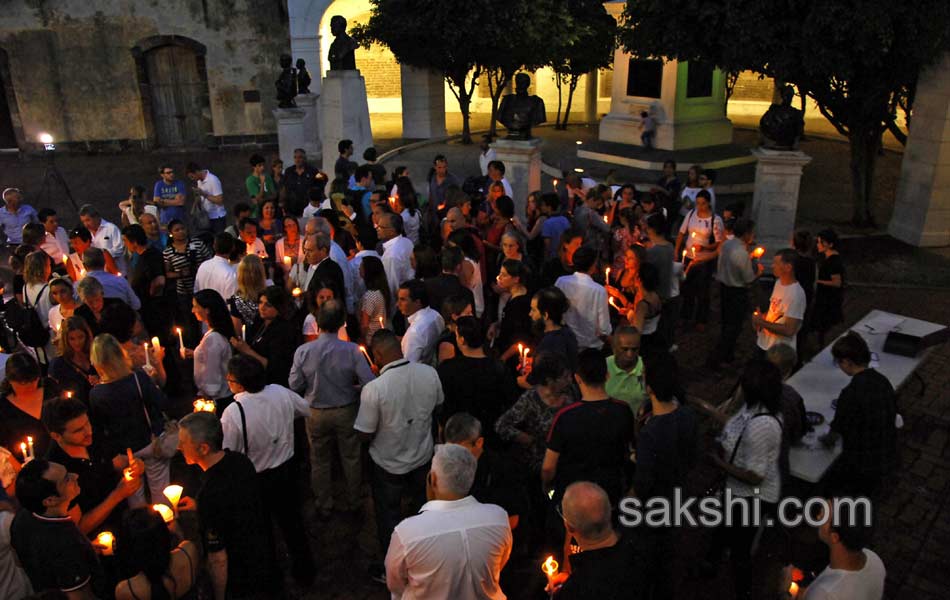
793, 590
287, 260
69, 394
549, 566
296, 293
106, 539
605, 218
611, 302
173, 493
167, 515
155, 342
178, 330
65, 259
758, 252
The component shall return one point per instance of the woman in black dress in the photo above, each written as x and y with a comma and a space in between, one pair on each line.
514, 325
72, 369
829, 294
273, 337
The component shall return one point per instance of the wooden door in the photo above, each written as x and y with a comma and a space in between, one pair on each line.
177, 93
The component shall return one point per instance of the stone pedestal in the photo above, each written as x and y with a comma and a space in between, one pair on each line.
778, 177
922, 211
344, 114
423, 103
290, 132
522, 160
311, 128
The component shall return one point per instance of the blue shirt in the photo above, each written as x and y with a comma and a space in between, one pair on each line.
553, 227
329, 372
13, 223
114, 286
167, 191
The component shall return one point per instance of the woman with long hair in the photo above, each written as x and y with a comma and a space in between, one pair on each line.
126, 413
697, 246
155, 568
406, 205
214, 351
289, 246
375, 303
471, 269
251, 281
272, 338
36, 273
62, 294
269, 227
644, 314
22, 399
316, 298
625, 233
72, 370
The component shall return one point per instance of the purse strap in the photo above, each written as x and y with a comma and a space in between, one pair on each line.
138, 385
735, 448
38, 295
243, 426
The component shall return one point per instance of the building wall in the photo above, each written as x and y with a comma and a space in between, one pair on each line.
73, 72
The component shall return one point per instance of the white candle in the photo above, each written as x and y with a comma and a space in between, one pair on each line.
173, 493
29, 445
181, 343
366, 354
156, 344
26, 457
382, 323
521, 356
148, 363
167, 515
244, 332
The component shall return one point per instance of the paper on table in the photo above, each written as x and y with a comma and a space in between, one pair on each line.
883, 323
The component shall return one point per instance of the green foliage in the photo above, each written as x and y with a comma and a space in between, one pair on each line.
858, 60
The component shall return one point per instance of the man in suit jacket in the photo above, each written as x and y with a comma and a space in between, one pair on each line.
323, 271
448, 284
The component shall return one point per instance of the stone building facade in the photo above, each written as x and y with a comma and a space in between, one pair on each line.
140, 73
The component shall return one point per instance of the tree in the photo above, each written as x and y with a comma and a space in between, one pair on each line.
858, 61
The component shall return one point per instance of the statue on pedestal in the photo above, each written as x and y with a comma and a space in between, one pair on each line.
286, 83
303, 77
342, 55
782, 125
519, 112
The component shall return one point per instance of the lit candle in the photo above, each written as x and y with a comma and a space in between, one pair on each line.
549, 567
105, 539
173, 493
156, 344
210, 405
26, 457
244, 332
692, 235
29, 446
605, 218
119, 273
287, 261
181, 343
59, 327
684, 255
758, 252
127, 473
521, 356
382, 322
366, 354
69, 393
65, 259
793, 590
167, 515
199, 405
607, 275
526, 351
296, 293
692, 252
613, 303
554, 181
148, 362
578, 142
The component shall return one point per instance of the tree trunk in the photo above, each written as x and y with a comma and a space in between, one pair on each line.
465, 102
572, 85
557, 81
865, 142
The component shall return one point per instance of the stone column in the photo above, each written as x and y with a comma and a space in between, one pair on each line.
590, 97
423, 103
522, 160
778, 177
344, 114
290, 132
922, 211
311, 127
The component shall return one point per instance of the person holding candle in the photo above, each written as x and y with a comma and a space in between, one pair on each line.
548, 307
147, 555
290, 245
126, 412
249, 242
51, 549
103, 488
81, 240
314, 300
786, 310
251, 282
273, 336
182, 258
22, 405
212, 354
235, 526
514, 323
701, 234
623, 283
260, 424
376, 301
330, 373
72, 370
123, 324
64, 299
270, 228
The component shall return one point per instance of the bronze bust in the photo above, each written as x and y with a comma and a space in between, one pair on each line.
286, 83
303, 77
519, 112
782, 125
342, 55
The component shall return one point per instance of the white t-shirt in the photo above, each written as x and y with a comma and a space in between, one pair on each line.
787, 302
410, 225
838, 584
211, 185
310, 327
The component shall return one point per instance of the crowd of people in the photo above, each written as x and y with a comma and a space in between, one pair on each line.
513, 377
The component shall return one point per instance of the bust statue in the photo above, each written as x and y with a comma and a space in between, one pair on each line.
782, 125
303, 77
286, 83
519, 112
342, 51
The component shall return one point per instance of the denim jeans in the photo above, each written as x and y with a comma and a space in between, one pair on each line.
388, 491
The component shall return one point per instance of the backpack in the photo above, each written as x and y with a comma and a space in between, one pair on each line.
25, 321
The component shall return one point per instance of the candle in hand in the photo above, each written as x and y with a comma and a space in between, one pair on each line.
758, 252
26, 457
181, 343
520, 356
173, 493
29, 446
607, 275
105, 539
155, 343
65, 259
382, 322
296, 292
244, 332
167, 515
549, 567
148, 362
366, 354
287, 261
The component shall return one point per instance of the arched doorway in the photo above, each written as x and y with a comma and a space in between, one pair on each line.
174, 84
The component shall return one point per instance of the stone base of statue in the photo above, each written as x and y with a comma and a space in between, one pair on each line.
522, 159
344, 114
298, 128
778, 176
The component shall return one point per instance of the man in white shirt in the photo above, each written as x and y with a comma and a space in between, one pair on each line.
397, 252
486, 155
456, 546
56, 242
496, 173
853, 570
208, 186
260, 425
781, 323
252, 243
587, 316
105, 235
395, 416
425, 324
217, 273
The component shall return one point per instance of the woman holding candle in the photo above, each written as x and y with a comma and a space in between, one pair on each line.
453, 308
646, 310
251, 282
829, 294
81, 240
182, 257
269, 227
622, 282
625, 233
62, 294
22, 397
290, 246
72, 370
374, 304
272, 338
700, 236
213, 352
514, 324
126, 412
154, 566
316, 298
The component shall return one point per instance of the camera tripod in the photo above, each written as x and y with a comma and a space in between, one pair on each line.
53, 177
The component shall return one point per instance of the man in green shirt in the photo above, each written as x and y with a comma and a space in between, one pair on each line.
260, 185
625, 368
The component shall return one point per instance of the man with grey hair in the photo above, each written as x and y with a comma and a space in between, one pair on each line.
397, 252
105, 235
602, 568
113, 286
456, 546
323, 271
337, 255
14, 215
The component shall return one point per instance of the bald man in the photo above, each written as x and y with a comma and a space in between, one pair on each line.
602, 569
